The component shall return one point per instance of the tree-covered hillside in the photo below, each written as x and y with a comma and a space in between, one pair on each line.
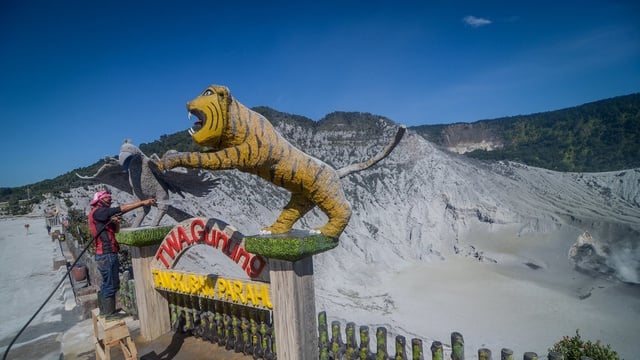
594, 137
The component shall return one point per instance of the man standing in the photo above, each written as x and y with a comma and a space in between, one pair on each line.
104, 223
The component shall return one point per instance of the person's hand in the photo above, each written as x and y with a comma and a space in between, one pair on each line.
116, 218
149, 202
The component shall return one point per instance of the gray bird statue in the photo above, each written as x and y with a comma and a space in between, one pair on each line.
132, 172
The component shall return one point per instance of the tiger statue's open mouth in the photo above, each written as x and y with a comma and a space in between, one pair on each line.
211, 109
198, 124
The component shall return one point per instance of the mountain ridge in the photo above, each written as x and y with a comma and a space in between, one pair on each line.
592, 137
458, 137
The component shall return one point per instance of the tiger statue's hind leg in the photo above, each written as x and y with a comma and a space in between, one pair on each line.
297, 206
339, 213
327, 193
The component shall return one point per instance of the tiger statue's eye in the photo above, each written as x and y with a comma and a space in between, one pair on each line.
207, 92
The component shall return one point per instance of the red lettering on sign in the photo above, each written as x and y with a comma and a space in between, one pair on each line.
184, 238
239, 253
254, 270
160, 257
199, 232
173, 243
208, 237
232, 255
222, 236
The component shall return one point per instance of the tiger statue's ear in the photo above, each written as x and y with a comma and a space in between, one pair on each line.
222, 91
224, 94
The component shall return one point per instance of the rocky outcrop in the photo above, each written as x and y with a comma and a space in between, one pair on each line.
462, 138
588, 256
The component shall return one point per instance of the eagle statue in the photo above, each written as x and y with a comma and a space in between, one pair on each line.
133, 172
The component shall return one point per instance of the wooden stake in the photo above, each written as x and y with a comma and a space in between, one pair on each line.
294, 314
153, 307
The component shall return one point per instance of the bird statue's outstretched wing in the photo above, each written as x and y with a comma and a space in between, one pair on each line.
177, 214
111, 173
196, 182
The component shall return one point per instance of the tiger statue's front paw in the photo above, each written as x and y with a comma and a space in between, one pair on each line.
159, 164
274, 230
169, 160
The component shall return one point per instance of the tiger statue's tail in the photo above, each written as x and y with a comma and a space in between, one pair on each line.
350, 169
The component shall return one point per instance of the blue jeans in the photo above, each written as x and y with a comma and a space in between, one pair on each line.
109, 267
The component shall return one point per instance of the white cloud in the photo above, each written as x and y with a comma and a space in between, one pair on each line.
475, 22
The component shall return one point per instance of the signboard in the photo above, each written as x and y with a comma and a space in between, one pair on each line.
248, 293
225, 239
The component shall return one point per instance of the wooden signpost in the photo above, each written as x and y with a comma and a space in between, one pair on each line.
156, 250
283, 264
290, 259
144, 243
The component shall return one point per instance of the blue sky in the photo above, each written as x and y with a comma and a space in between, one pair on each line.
79, 77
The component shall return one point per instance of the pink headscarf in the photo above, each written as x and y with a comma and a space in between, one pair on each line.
99, 197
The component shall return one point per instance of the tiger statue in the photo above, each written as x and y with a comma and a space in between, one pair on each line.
245, 140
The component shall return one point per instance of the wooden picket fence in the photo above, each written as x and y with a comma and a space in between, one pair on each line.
332, 346
235, 327
250, 331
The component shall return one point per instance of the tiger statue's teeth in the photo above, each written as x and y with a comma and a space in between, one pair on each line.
191, 131
265, 232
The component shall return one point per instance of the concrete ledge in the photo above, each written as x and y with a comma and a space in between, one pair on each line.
291, 246
87, 303
91, 289
58, 262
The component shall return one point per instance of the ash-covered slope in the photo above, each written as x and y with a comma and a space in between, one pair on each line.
422, 205
421, 202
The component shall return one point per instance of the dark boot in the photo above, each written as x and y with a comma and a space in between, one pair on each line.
111, 313
101, 303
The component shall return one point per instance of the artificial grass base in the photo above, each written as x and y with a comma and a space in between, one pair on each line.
291, 246
144, 236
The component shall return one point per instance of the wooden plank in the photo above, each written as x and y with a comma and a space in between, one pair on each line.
153, 307
125, 350
294, 310
111, 324
108, 324
94, 317
115, 333
132, 348
101, 354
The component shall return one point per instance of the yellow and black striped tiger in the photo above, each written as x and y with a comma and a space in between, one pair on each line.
245, 140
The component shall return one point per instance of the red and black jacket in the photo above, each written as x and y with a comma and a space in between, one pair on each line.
106, 243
